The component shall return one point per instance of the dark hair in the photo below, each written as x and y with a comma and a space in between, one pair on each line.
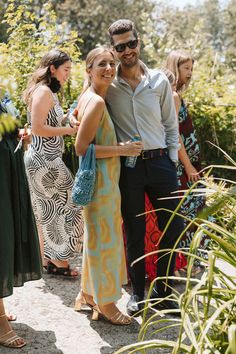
55, 57
121, 26
42, 74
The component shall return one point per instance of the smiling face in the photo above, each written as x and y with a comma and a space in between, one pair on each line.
185, 72
62, 73
103, 69
129, 57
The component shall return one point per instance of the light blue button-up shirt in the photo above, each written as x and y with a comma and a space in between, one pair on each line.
149, 111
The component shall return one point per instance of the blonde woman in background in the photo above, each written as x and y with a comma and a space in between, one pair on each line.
180, 64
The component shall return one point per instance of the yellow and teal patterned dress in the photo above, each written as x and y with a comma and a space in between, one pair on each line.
104, 269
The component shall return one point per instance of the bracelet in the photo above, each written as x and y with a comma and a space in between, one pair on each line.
71, 125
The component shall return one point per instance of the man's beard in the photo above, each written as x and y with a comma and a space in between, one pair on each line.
130, 64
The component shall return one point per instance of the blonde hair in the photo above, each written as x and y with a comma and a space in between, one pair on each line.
92, 55
170, 76
42, 74
173, 62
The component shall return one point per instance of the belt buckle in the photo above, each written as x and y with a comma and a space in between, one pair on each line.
143, 155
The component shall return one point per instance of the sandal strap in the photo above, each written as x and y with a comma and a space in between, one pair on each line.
5, 337
119, 317
53, 269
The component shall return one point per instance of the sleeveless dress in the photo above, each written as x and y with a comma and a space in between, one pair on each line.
20, 259
51, 183
192, 204
104, 270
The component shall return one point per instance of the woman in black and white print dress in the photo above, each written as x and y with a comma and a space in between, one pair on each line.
59, 221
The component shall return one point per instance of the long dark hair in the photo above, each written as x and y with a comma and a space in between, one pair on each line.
42, 75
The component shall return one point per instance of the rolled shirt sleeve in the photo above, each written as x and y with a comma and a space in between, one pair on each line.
169, 120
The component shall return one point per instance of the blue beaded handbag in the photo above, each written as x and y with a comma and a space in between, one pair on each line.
85, 178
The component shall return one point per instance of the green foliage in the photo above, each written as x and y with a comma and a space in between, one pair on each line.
8, 124
207, 31
31, 35
92, 18
211, 98
208, 304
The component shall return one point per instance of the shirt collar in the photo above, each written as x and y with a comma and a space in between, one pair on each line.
147, 76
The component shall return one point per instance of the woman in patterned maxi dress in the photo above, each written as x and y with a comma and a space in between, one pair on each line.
180, 63
104, 270
59, 221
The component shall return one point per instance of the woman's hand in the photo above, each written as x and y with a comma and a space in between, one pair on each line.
72, 129
131, 148
25, 134
192, 173
73, 121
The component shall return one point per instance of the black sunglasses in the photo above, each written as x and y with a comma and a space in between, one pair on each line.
131, 44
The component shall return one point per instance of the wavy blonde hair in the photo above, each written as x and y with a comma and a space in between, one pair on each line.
173, 62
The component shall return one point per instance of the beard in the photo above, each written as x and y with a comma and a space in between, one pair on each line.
131, 62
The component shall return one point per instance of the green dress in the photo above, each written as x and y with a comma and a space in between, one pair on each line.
19, 246
104, 269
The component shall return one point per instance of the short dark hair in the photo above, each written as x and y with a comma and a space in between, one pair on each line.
121, 26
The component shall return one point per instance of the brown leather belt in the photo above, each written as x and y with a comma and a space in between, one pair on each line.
151, 154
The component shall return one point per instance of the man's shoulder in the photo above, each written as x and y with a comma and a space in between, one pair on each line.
112, 89
157, 73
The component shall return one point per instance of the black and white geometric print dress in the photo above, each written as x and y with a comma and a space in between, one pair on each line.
50, 184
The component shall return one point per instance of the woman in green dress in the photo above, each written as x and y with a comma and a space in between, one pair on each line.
19, 248
104, 270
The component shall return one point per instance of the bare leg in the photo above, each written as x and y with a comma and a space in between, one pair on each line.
6, 332
41, 244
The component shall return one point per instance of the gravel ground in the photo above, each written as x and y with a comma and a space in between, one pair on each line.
47, 321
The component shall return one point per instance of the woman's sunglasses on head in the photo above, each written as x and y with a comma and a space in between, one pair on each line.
131, 44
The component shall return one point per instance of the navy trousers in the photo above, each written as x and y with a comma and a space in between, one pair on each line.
157, 177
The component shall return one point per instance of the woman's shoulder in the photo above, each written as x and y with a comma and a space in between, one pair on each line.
44, 93
93, 99
98, 100
176, 95
42, 90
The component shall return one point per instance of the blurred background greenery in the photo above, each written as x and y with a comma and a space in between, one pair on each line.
29, 28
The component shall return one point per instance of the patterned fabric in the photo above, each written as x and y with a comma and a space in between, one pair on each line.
152, 237
151, 240
104, 271
192, 205
51, 183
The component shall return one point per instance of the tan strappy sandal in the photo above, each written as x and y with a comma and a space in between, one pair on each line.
11, 317
10, 338
118, 318
81, 303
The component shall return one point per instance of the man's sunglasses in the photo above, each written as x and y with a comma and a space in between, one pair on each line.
131, 44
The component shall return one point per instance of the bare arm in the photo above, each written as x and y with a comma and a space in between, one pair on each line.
190, 170
42, 102
87, 131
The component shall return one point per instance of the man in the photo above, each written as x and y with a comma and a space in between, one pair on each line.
140, 103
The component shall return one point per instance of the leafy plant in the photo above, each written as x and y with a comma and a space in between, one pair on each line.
208, 304
30, 36
8, 124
